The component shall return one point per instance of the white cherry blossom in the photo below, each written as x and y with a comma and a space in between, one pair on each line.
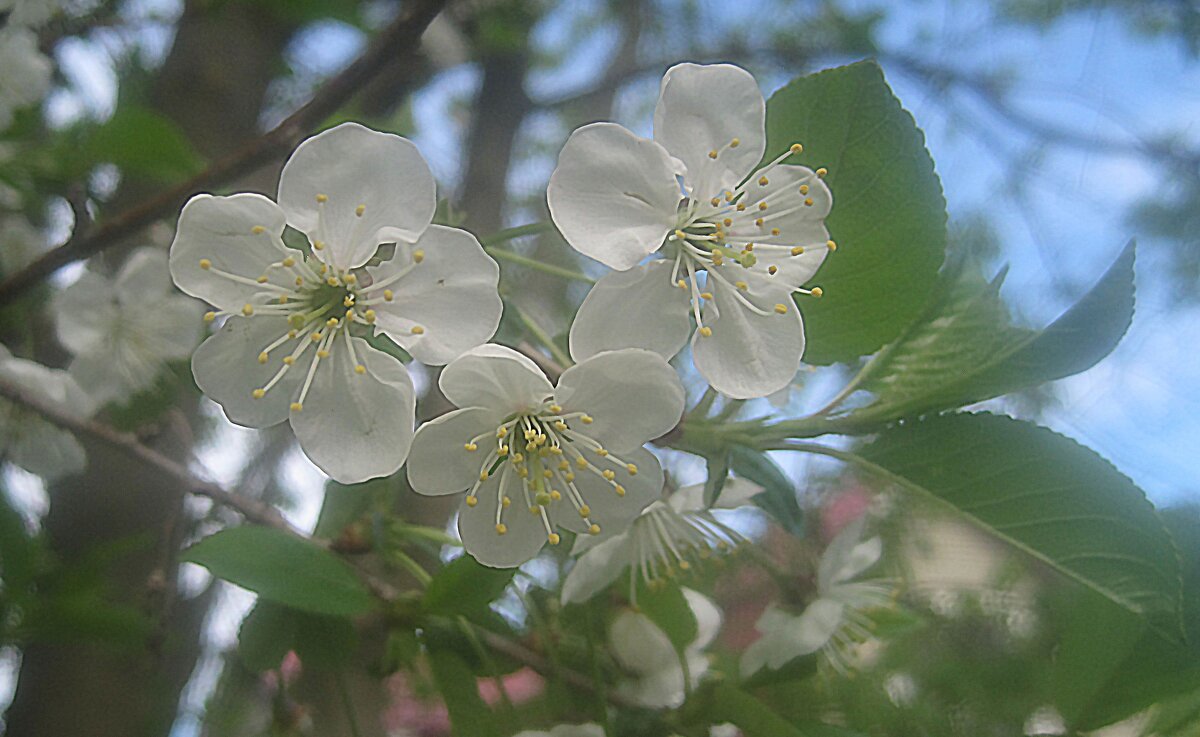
27, 71
736, 240
29, 441
646, 653
123, 330
671, 534
835, 620
536, 458
296, 344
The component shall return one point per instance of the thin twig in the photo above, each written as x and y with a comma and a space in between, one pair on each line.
400, 37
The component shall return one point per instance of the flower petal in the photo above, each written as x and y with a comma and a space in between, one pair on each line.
701, 109
351, 165
636, 308
614, 513
496, 377
846, 557
613, 195
45, 450
227, 370
708, 618
85, 313
439, 462
221, 230
451, 295
736, 493
144, 275
597, 568
355, 426
633, 395
640, 646
798, 224
749, 355
524, 535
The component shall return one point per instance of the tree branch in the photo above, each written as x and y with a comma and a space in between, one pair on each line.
402, 36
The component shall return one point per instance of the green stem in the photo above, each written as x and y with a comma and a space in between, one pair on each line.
413, 568
486, 659
536, 330
532, 263
340, 677
520, 231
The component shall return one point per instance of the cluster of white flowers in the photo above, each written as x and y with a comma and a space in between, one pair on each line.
27, 71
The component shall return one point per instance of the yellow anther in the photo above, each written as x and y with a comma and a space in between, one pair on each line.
288, 262
831, 245
781, 308
556, 450
332, 322
555, 494
315, 337
817, 292
608, 474
523, 472
259, 393
728, 196
210, 316
322, 198
332, 281
759, 222
322, 354
727, 222
564, 466
470, 446
296, 406
797, 250
288, 360
258, 230
619, 489
587, 419
560, 425
585, 510
741, 285
360, 210
762, 206
772, 270
763, 181
548, 474
502, 451
554, 538
715, 202
681, 284
741, 207
501, 432
594, 529
774, 231
247, 309
388, 295
263, 357
796, 148
360, 369
631, 468
506, 502
712, 154
317, 246
803, 189
581, 462
822, 172
706, 331
299, 281
518, 457
808, 201
684, 565
418, 256
205, 264
283, 298
350, 278
735, 143
483, 475
369, 316
748, 247
472, 501
418, 330
556, 409
706, 295
569, 476
501, 528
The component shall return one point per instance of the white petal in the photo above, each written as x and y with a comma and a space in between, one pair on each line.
522, 539
702, 108
612, 512
222, 230
45, 450
496, 377
633, 395
351, 166
846, 557
613, 195
798, 224
85, 313
660, 689
143, 276
640, 646
636, 308
597, 568
786, 637
749, 355
736, 493
227, 370
451, 295
168, 328
439, 462
49, 385
708, 618
355, 426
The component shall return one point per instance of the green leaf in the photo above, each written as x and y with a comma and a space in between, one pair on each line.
284, 569
1045, 495
964, 348
324, 641
668, 609
466, 587
456, 681
267, 634
779, 496
144, 143
728, 703
718, 471
347, 503
888, 217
